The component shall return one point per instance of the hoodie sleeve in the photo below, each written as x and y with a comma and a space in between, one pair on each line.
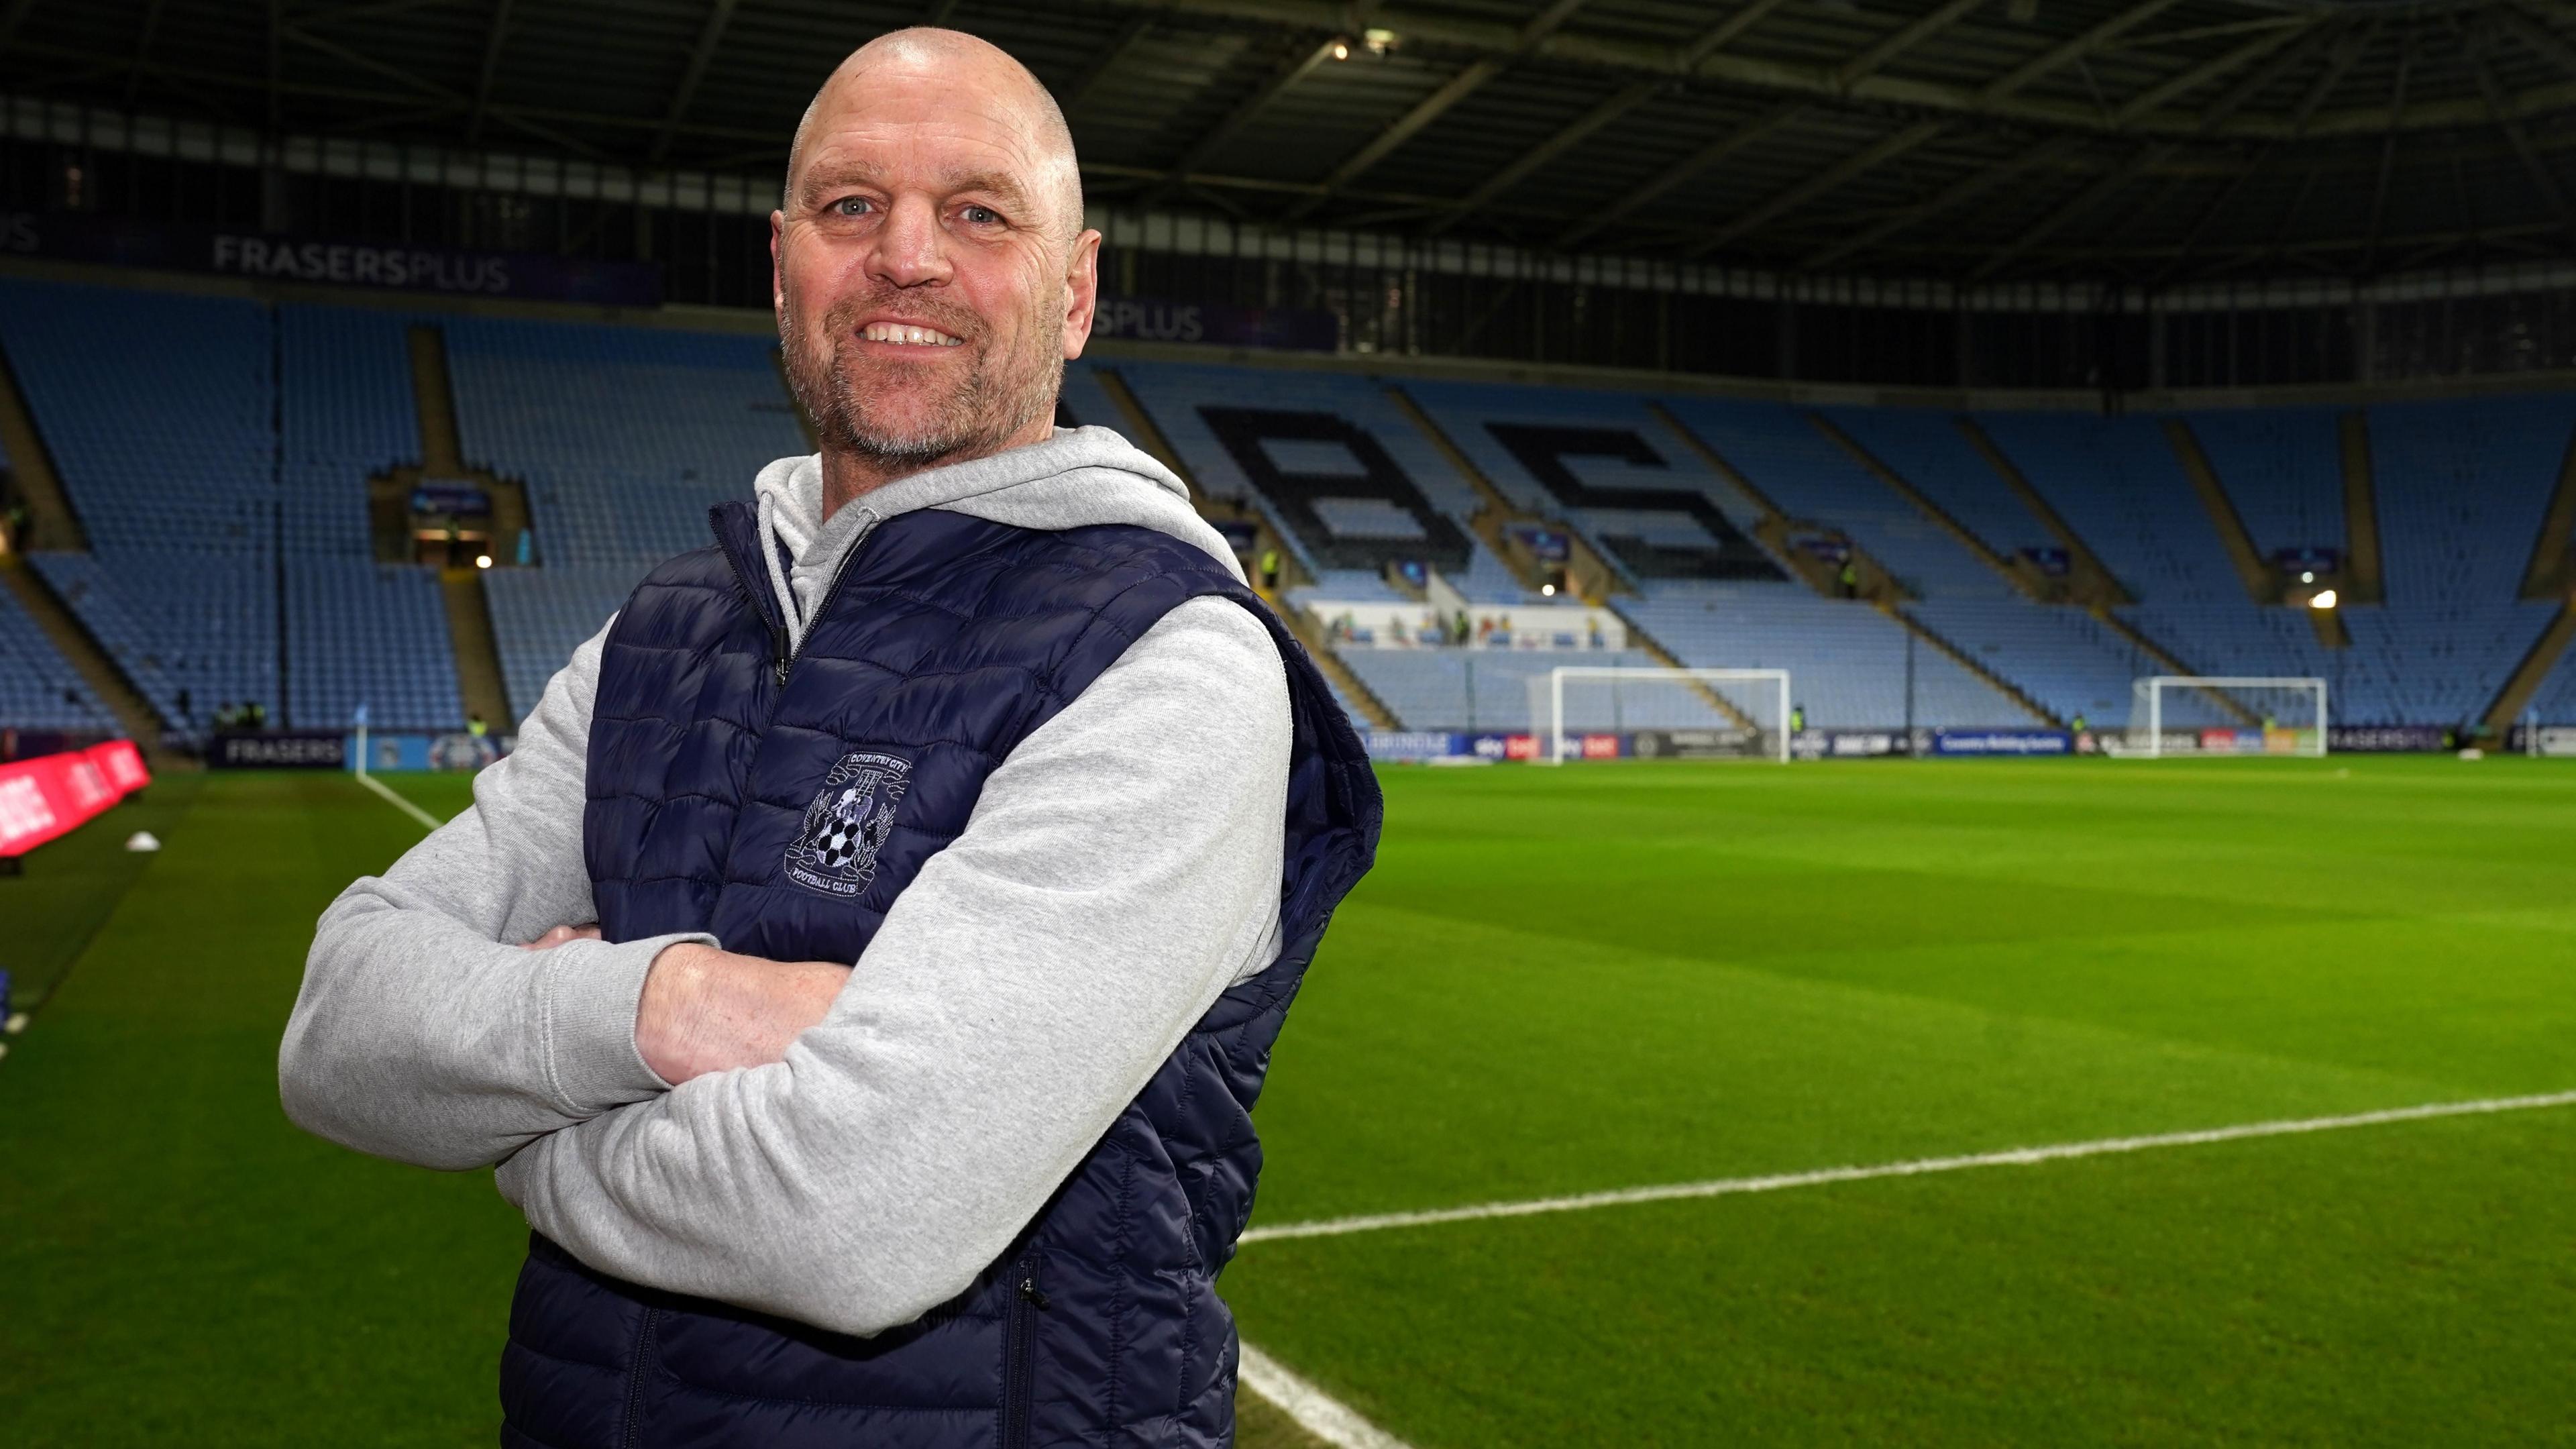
1120, 870
422, 1032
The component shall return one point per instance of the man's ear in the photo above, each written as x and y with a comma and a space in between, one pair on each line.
1081, 292
777, 281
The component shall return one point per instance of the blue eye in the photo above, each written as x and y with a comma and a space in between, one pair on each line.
850, 205
982, 214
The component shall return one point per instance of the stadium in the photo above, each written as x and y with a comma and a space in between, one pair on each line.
1963, 610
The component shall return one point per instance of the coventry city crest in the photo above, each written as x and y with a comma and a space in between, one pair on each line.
835, 851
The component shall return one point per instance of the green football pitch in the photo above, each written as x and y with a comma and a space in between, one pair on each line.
1556, 983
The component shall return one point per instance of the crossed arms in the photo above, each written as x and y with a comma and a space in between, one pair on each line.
845, 1147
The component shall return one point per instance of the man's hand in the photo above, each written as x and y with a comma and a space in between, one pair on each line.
706, 1010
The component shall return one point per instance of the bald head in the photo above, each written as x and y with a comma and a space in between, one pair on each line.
979, 74
932, 273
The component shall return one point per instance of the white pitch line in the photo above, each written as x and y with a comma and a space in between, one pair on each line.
427, 820
2012, 1157
1317, 1412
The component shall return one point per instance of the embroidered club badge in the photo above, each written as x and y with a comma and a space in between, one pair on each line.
835, 851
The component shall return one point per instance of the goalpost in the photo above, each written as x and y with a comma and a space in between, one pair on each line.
2197, 715
1682, 713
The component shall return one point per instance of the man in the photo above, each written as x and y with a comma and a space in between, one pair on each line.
977, 705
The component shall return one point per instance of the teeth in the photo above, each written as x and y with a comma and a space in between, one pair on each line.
904, 335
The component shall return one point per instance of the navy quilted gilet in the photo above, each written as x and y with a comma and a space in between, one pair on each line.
783, 809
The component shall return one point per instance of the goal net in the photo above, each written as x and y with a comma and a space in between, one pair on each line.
2177, 714
1590, 712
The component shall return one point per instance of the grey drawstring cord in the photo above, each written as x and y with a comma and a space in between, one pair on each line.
771, 529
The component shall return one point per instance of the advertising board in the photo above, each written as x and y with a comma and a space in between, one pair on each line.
50, 796
1154, 319
280, 750
1717, 744
2002, 742
1400, 746
2386, 739
169, 246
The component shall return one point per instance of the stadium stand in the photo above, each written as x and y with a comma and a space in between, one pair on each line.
2074, 665
2462, 487
159, 412
358, 632
1813, 479
2280, 469
1930, 452
192, 631
39, 690
1846, 661
1603, 464
625, 437
223, 484
1329, 461
2556, 701
346, 413
1084, 403
1489, 689
2071, 663
2119, 486
540, 615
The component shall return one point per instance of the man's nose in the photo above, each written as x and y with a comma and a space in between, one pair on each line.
911, 250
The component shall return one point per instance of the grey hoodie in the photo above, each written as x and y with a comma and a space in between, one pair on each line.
1120, 869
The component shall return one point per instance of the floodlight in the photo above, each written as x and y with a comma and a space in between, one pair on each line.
2307, 576
1379, 40
2325, 599
1547, 591
482, 560
1341, 50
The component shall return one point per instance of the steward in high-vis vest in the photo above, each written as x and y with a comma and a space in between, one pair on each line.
864, 968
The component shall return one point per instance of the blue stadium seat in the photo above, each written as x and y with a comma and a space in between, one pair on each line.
38, 688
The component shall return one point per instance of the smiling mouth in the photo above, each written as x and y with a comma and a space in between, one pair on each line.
904, 334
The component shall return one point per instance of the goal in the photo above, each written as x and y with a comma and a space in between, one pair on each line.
1581, 712
2201, 716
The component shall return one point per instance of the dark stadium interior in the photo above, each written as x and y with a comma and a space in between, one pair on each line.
2206, 178
2177, 397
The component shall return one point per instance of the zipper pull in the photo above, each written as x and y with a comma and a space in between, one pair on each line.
778, 651
1037, 1300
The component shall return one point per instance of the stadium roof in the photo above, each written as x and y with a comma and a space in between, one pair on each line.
2137, 140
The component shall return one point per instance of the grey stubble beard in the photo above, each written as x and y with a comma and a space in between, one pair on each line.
964, 424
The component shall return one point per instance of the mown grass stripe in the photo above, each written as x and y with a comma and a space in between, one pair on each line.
2010, 1157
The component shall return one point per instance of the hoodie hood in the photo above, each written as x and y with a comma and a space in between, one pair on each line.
1078, 478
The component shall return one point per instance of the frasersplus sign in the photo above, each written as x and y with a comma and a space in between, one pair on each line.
1153, 319
52, 795
390, 265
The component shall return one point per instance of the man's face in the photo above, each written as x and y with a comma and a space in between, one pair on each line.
928, 287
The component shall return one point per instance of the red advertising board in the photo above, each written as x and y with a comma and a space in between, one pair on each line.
52, 795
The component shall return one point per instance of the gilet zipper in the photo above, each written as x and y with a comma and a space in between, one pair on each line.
635, 1367
781, 652
1019, 1354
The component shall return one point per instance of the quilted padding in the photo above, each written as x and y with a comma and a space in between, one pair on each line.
730, 794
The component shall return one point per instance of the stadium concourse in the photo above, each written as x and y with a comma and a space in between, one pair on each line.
225, 462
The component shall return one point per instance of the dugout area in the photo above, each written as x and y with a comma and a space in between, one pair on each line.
1557, 982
